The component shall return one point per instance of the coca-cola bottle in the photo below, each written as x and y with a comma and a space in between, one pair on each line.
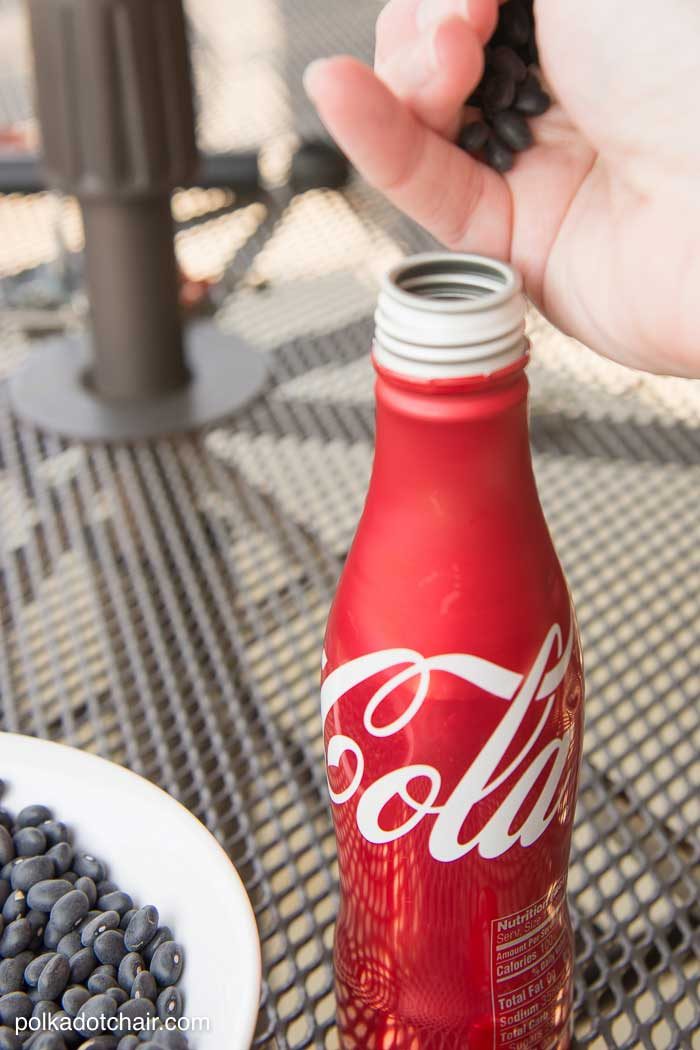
452, 692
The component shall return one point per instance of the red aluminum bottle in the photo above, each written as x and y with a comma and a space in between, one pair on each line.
452, 692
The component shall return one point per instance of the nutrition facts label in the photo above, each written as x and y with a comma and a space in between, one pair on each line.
529, 966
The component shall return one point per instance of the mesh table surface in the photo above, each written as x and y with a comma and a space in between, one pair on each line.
163, 604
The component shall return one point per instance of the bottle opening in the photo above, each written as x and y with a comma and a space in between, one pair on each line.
445, 316
472, 278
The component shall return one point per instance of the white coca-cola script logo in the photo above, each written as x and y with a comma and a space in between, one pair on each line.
537, 687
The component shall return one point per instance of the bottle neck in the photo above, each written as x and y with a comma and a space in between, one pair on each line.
436, 439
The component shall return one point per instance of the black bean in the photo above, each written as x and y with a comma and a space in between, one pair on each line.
106, 886
55, 831
70, 876
92, 1015
74, 998
52, 936
62, 856
44, 1009
100, 1042
67, 912
513, 130
119, 995
28, 871
144, 987
109, 947
126, 918
170, 1003
9, 1040
101, 981
127, 1042
104, 920
6, 872
5, 891
37, 920
43, 895
54, 977
6, 819
498, 155
7, 847
13, 1006
142, 928
116, 901
16, 938
514, 23
167, 963
164, 933
473, 137
497, 93
29, 842
12, 972
15, 906
88, 887
129, 968
32, 816
48, 1041
69, 944
505, 60
86, 864
168, 1039
33, 969
82, 965
64, 1023
531, 100
137, 1009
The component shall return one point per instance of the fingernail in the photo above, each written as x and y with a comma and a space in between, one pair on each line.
311, 76
431, 11
412, 69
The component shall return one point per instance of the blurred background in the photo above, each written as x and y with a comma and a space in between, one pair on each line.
163, 602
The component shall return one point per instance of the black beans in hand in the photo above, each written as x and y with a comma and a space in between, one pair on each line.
513, 129
514, 23
473, 137
497, 93
531, 100
498, 155
504, 60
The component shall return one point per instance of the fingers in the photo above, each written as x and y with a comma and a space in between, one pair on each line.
430, 53
437, 73
401, 21
464, 204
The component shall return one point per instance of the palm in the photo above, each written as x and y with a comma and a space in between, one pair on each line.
605, 182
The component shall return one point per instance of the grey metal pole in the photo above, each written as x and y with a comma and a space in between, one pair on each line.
114, 99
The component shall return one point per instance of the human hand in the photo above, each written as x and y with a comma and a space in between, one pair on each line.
602, 215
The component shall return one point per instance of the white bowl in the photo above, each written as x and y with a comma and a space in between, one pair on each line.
160, 854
